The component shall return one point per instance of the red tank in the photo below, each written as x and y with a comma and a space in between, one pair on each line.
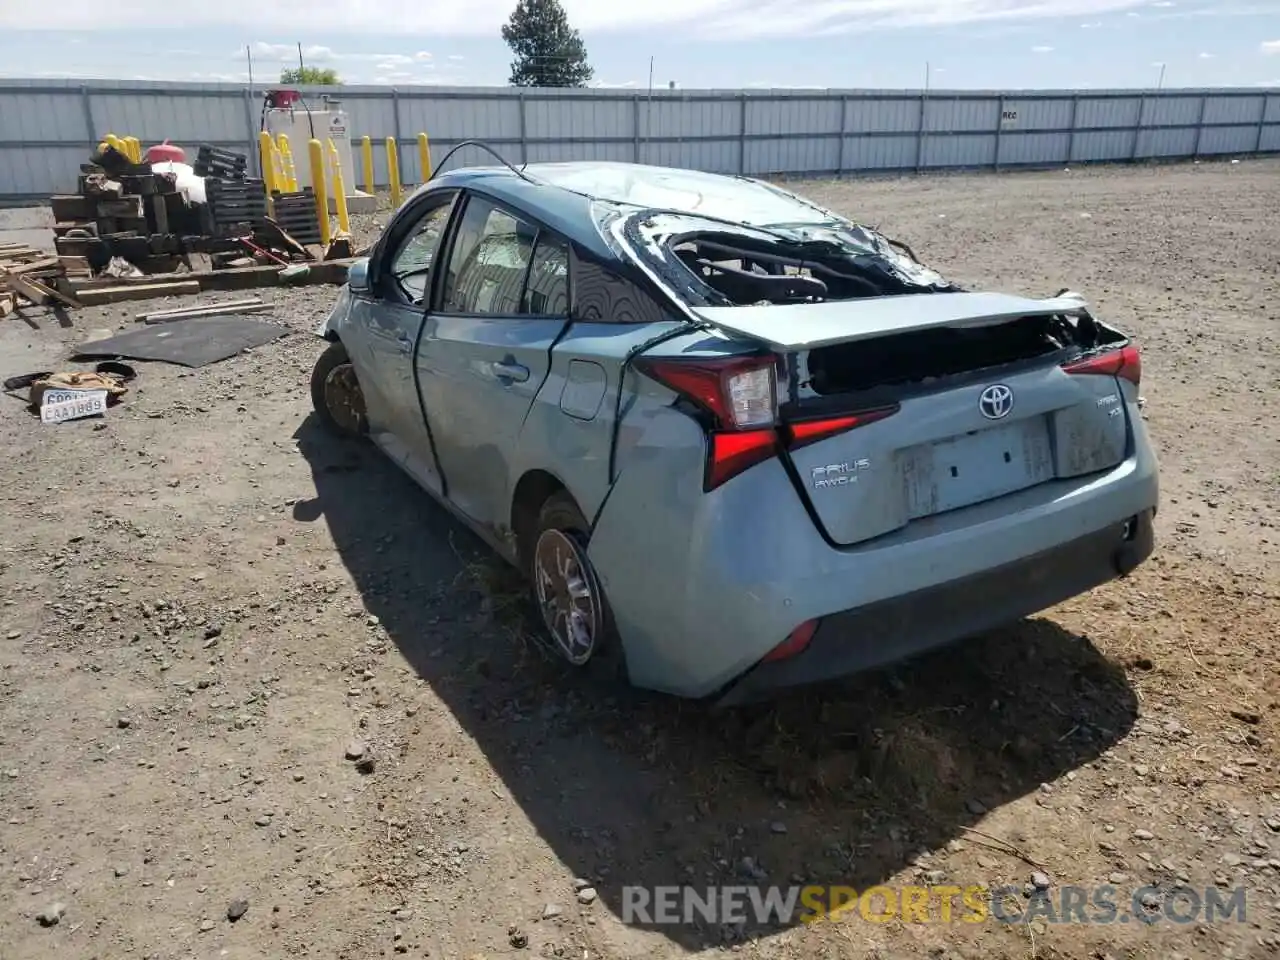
165, 153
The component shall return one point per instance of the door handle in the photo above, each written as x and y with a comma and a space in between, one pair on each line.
507, 370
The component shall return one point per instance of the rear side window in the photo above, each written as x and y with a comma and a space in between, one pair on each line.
547, 292
602, 295
489, 262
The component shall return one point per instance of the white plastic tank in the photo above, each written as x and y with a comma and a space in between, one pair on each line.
324, 120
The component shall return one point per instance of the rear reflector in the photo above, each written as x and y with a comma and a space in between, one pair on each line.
795, 644
1125, 363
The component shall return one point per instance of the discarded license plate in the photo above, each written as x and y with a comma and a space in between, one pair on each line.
59, 405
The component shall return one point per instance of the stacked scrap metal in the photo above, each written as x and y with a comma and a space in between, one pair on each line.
296, 215
122, 209
223, 164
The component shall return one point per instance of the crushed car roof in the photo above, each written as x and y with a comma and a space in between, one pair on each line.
556, 189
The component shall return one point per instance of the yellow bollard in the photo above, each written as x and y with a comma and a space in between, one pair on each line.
393, 172
316, 153
290, 181
366, 156
267, 160
339, 190
266, 157
290, 173
424, 156
135, 148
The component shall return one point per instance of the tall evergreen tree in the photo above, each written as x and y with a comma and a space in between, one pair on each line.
549, 52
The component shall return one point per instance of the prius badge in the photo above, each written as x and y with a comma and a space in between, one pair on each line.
838, 474
995, 402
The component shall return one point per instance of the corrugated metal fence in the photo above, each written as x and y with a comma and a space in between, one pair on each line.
47, 128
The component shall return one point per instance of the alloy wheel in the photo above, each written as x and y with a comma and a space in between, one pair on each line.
569, 596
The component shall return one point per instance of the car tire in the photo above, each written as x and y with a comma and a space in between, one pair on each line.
335, 393
568, 594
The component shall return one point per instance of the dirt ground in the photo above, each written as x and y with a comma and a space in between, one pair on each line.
207, 606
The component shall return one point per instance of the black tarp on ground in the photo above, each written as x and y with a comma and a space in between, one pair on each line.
191, 343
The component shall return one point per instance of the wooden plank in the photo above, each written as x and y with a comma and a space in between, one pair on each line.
34, 290
140, 291
235, 278
253, 305
8, 304
46, 263
73, 265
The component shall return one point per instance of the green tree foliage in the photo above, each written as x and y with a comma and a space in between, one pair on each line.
310, 77
549, 52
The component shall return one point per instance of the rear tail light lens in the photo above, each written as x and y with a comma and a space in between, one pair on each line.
804, 432
741, 394
1125, 363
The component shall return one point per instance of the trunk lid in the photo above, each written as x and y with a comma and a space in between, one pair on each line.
982, 405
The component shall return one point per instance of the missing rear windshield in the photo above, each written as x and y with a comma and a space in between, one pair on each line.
921, 356
780, 264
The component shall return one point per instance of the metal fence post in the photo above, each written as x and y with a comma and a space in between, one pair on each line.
742, 133
524, 129
252, 139
635, 127
395, 122
1204, 101
844, 134
999, 130
1262, 119
86, 104
920, 131
1071, 134
1137, 131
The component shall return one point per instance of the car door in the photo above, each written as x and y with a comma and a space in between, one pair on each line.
402, 282
501, 303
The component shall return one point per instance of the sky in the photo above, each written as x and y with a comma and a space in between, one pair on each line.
698, 44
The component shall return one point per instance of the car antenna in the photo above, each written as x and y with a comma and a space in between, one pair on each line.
483, 146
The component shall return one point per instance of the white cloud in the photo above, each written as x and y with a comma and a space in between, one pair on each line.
1206, 56
1271, 46
1042, 49
1164, 3
1090, 26
728, 19
456, 56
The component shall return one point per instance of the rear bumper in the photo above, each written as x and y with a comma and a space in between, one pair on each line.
894, 629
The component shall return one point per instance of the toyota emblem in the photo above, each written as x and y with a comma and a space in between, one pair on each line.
996, 401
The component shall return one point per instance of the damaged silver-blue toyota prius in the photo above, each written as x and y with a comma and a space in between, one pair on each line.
738, 443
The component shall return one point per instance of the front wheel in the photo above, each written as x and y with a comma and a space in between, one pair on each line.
336, 395
568, 592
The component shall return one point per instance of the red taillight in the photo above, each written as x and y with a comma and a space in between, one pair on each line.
795, 644
1125, 363
733, 452
740, 393
804, 432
